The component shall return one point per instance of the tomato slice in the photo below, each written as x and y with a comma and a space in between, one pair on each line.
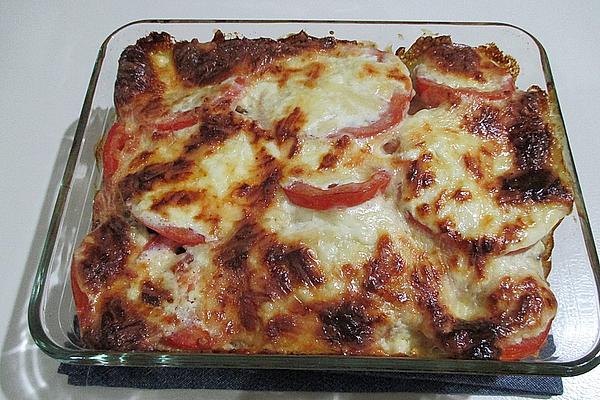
432, 94
231, 93
82, 303
190, 338
178, 235
185, 119
116, 139
347, 195
526, 347
178, 121
395, 113
158, 242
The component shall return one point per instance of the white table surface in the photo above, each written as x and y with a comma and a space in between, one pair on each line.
47, 50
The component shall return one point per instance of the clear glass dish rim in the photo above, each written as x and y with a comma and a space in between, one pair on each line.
277, 361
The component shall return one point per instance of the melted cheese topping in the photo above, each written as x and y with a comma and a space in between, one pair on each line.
204, 202
333, 91
338, 236
492, 80
457, 201
372, 279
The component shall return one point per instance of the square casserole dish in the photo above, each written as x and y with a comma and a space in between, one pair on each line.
574, 342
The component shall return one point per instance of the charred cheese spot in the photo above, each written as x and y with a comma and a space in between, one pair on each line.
473, 339
526, 302
120, 328
473, 166
423, 210
233, 254
153, 295
421, 46
419, 176
179, 198
454, 59
347, 324
533, 186
313, 72
104, 253
262, 194
462, 195
384, 266
331, 159
145, 179
280, 325
214, 130
426, 282
396, 75
367, 70
529, 133
484, 121
291, 267
287, 130
140, 160
248, 311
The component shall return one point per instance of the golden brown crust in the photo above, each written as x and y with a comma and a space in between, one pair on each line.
209, 63
457, 59
139, 89
420, 47
504, 61
104, 256
136, 75
265, 292
120, 328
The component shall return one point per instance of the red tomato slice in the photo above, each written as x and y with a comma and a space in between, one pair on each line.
525, 348
158, 242
177, 234
395, 113
178, 121
191, 338
82, 304
347, 195
185, 119
432, 94
113, 145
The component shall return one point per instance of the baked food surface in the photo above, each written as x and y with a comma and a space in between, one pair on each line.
320, 196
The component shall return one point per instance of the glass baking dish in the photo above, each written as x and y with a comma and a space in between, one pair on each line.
574, 342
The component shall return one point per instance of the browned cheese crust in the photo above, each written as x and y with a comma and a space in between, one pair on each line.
197, 244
